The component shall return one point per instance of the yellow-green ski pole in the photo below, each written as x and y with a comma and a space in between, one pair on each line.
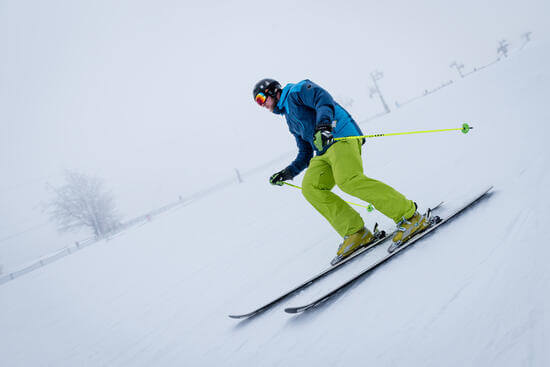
465, 129
370, 208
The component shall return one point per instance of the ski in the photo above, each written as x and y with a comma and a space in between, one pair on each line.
436, 222
383, 236
311, 280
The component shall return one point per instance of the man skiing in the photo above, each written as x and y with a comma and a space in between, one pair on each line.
315, 119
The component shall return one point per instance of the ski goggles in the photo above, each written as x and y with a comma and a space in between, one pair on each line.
261, 98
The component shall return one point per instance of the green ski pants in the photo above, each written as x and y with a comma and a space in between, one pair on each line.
342, 165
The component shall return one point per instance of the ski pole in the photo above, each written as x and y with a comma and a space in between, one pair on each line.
370, 208
465, 129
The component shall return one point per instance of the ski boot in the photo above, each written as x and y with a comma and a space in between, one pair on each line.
355, 241
406, 228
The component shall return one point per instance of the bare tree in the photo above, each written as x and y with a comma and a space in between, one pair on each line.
83, 203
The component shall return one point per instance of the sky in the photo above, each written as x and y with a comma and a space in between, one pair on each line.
155, 97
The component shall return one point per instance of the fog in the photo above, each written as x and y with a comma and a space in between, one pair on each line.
155, 97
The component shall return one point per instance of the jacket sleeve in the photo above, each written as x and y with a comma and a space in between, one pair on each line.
313, 96
305, 153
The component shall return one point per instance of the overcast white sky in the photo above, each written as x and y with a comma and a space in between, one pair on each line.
155, 96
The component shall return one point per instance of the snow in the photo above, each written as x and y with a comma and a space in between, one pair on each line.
475, 293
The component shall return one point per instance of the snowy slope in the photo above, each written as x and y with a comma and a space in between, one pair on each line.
476, 293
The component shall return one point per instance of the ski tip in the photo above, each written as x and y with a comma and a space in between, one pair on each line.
292, 310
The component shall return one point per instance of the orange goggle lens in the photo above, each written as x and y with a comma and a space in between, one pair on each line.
261, 98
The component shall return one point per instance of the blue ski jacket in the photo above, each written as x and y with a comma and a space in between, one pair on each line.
306, 105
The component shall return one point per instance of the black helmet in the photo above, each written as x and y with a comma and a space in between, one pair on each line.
269, 86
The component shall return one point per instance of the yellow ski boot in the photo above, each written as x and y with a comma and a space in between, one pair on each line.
352, 243
406, 228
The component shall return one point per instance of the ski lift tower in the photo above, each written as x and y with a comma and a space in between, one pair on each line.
375, 76
458, 67
526, 38
503, 48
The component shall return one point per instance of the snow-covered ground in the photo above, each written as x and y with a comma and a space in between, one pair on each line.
474, 294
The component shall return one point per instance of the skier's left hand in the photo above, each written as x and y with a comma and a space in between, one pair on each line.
323, 136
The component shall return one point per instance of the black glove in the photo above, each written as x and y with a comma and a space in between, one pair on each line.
322, 136
281, 176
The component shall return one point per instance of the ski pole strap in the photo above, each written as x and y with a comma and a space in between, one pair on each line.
369, 208
465, 129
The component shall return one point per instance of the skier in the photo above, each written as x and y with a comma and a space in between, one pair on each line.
315, 119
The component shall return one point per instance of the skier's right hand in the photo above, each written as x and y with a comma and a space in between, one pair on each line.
279, 177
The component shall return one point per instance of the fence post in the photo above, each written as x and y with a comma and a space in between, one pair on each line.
239, 178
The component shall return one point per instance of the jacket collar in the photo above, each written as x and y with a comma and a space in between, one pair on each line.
282, 106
